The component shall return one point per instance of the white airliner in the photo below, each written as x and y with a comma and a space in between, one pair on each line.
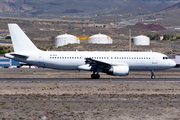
112, 63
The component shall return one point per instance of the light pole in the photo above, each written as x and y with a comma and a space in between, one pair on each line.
129, 38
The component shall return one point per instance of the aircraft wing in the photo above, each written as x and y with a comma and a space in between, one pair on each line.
98, 65
93, 62
101, 66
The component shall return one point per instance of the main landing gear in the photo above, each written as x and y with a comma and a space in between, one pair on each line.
95, 76
152, 74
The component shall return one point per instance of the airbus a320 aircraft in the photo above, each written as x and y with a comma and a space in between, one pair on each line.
112, 63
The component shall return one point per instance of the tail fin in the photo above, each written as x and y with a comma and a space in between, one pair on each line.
20, 40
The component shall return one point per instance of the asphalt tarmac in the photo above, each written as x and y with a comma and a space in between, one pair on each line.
55, 70
80, 98
88, 79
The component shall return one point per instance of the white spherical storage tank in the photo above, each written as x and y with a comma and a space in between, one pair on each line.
141, 40
100, 39
65, 39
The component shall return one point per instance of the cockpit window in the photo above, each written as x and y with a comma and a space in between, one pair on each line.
165, 57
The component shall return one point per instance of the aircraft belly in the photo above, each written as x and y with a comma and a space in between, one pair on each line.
62, 65
137, 68
142, 67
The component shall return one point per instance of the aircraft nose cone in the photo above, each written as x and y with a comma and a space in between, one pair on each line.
173, 64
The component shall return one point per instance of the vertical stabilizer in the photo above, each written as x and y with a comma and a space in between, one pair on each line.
21, 42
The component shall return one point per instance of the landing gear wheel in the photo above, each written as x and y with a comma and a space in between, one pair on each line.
95, 76
152, 77
152, 74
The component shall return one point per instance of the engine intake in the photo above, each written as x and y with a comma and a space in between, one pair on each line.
119, 70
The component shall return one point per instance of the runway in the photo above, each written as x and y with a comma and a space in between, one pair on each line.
88, 79
79, 97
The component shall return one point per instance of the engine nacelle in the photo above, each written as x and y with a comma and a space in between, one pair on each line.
119, 70
84, 67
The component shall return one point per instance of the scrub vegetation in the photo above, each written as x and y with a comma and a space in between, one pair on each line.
5, 49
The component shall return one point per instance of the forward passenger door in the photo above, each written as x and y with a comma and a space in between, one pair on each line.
154, 58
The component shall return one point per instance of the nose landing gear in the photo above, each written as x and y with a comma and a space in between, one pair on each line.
152, 74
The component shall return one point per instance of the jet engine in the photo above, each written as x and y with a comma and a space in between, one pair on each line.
119, 70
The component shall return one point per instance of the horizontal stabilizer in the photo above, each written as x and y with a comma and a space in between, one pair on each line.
17, 54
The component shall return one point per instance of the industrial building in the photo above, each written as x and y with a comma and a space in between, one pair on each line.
5, 62
65, 39
141, 40
100, 39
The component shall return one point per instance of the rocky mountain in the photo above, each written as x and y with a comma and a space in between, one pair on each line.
166, 17
143, 6
136, 7
173, 7
37, 8
14, 6
160, 6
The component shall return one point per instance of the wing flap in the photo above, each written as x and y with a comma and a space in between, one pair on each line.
95, 62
